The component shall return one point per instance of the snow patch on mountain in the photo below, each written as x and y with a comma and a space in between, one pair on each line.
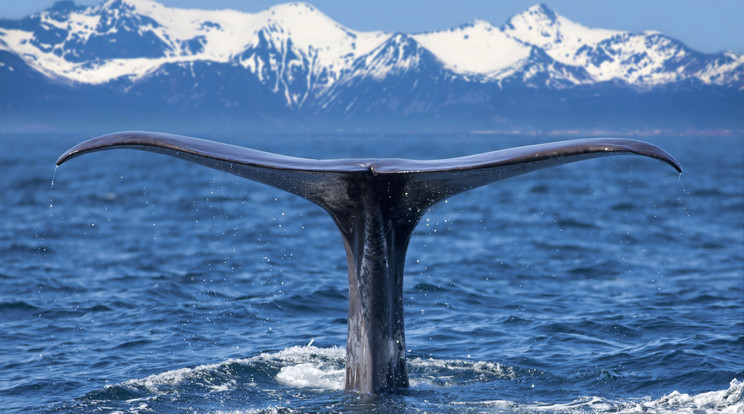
557, 35
477, 48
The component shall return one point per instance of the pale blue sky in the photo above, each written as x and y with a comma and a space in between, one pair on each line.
705, 25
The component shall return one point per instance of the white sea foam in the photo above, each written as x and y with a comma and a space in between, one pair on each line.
321, 369
444, 373
478, 367
724, 401
310, 375
299, 366
312, 367
257, 411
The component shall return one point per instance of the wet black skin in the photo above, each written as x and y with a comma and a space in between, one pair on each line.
376, 204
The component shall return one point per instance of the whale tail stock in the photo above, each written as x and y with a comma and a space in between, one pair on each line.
376, 204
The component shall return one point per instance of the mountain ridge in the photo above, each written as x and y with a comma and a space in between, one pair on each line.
294, 63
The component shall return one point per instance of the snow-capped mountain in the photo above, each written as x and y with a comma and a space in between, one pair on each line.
292, 59
287, 47
642, 59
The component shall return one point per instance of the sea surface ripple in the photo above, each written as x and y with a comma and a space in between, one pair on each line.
134, 282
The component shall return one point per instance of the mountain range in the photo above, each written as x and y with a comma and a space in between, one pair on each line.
131, 64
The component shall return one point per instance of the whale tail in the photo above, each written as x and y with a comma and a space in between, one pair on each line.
376, 204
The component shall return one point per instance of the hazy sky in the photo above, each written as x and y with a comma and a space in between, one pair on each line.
705, 25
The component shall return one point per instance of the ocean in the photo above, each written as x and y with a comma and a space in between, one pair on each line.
131, 282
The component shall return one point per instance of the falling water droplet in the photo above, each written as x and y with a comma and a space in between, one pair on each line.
54, 174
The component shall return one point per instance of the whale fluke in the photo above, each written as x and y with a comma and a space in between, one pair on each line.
376, 204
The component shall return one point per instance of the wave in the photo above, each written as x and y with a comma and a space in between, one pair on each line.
317, 371
724, 401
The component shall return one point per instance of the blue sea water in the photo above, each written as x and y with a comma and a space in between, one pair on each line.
134, 282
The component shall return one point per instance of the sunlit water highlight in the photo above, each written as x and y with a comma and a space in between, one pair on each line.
131, 282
